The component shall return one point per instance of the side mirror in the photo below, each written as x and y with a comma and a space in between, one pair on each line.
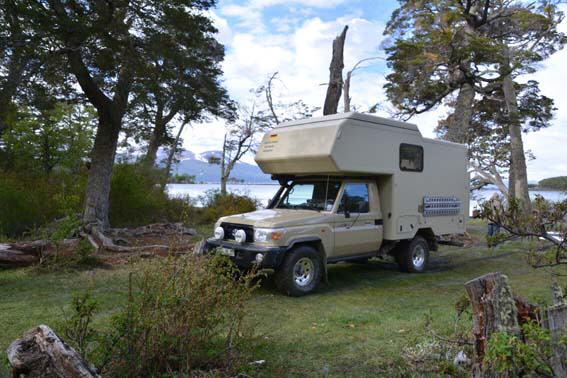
345, 205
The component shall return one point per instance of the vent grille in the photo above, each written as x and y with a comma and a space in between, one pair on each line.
435, 206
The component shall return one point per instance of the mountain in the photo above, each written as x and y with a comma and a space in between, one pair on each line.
198, 165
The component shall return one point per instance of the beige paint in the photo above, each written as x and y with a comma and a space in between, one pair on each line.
352, 145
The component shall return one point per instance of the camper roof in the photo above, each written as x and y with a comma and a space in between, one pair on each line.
367, 118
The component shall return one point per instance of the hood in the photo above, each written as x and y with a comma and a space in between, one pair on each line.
274, 218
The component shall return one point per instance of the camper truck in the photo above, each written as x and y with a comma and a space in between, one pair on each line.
352, 187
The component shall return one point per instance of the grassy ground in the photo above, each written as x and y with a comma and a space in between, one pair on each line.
357, 325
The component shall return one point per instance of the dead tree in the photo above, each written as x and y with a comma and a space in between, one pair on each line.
41, 353
494, 310
335, 86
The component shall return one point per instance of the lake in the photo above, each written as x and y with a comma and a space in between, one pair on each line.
263, 193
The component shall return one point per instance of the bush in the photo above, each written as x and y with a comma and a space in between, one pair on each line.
183, 315
216, 205
137, 198
28, 202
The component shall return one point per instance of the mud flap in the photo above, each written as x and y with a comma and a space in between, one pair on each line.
325, 276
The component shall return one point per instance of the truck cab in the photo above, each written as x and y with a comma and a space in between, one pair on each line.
352, 187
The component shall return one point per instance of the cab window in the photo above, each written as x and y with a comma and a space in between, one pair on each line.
355, 197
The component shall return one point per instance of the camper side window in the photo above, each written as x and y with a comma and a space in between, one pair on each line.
411, 158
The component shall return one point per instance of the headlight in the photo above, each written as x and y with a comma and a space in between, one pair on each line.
219, 233
266, 235
240, 236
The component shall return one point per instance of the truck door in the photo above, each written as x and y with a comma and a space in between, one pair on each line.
358, 230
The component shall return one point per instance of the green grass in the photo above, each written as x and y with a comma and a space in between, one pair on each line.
357, 325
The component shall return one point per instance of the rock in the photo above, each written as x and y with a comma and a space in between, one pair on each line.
461, 359
41, 353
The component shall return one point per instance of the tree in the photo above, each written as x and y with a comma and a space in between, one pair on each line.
469, 47
179, 84
262, 114
60, 136
488, 139
107, 47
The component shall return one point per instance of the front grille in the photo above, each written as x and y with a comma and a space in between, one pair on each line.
229, 228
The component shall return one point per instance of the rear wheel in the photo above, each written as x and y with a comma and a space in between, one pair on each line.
413, 255
300, 271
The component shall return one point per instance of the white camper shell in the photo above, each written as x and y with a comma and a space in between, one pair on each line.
422, 182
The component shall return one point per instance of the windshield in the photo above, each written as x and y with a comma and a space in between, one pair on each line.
315, 195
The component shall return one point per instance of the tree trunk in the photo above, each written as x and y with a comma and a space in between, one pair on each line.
335, 86
520, 174
459, 123
171, 155
511, 180
494, 309
346, 92
154, 143
100, 174
223, 174
41, 353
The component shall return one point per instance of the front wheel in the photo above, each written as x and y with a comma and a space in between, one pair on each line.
300, 272
413, 256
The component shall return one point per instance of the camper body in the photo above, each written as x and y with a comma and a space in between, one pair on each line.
353, 186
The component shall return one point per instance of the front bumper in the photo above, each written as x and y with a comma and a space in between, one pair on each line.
245, 254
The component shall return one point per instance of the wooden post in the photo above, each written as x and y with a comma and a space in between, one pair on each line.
494, 309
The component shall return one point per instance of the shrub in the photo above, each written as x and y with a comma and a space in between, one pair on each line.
216, 205
137, 198
525, 355
28, 202
182, 315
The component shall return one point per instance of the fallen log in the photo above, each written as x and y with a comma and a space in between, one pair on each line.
41, 353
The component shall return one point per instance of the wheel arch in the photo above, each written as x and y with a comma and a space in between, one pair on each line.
315, 243
429, 236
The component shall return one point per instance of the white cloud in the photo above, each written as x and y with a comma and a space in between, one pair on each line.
297, 44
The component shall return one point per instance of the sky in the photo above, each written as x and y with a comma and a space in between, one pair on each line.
294, 38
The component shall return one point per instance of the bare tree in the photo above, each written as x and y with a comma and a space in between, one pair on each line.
241, 138
347, 81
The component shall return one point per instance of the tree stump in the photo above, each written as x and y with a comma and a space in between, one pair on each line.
557, 322
41, 353
494, 310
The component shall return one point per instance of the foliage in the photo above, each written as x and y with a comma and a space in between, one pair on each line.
516, 355
57, 137
182, 179
29, 201
137, 199
76, 327
215, 205
183, 314
557, 183
545, 223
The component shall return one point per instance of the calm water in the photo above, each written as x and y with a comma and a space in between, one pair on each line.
264, 193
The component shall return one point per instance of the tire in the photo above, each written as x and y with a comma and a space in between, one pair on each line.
413, 255
300, 272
